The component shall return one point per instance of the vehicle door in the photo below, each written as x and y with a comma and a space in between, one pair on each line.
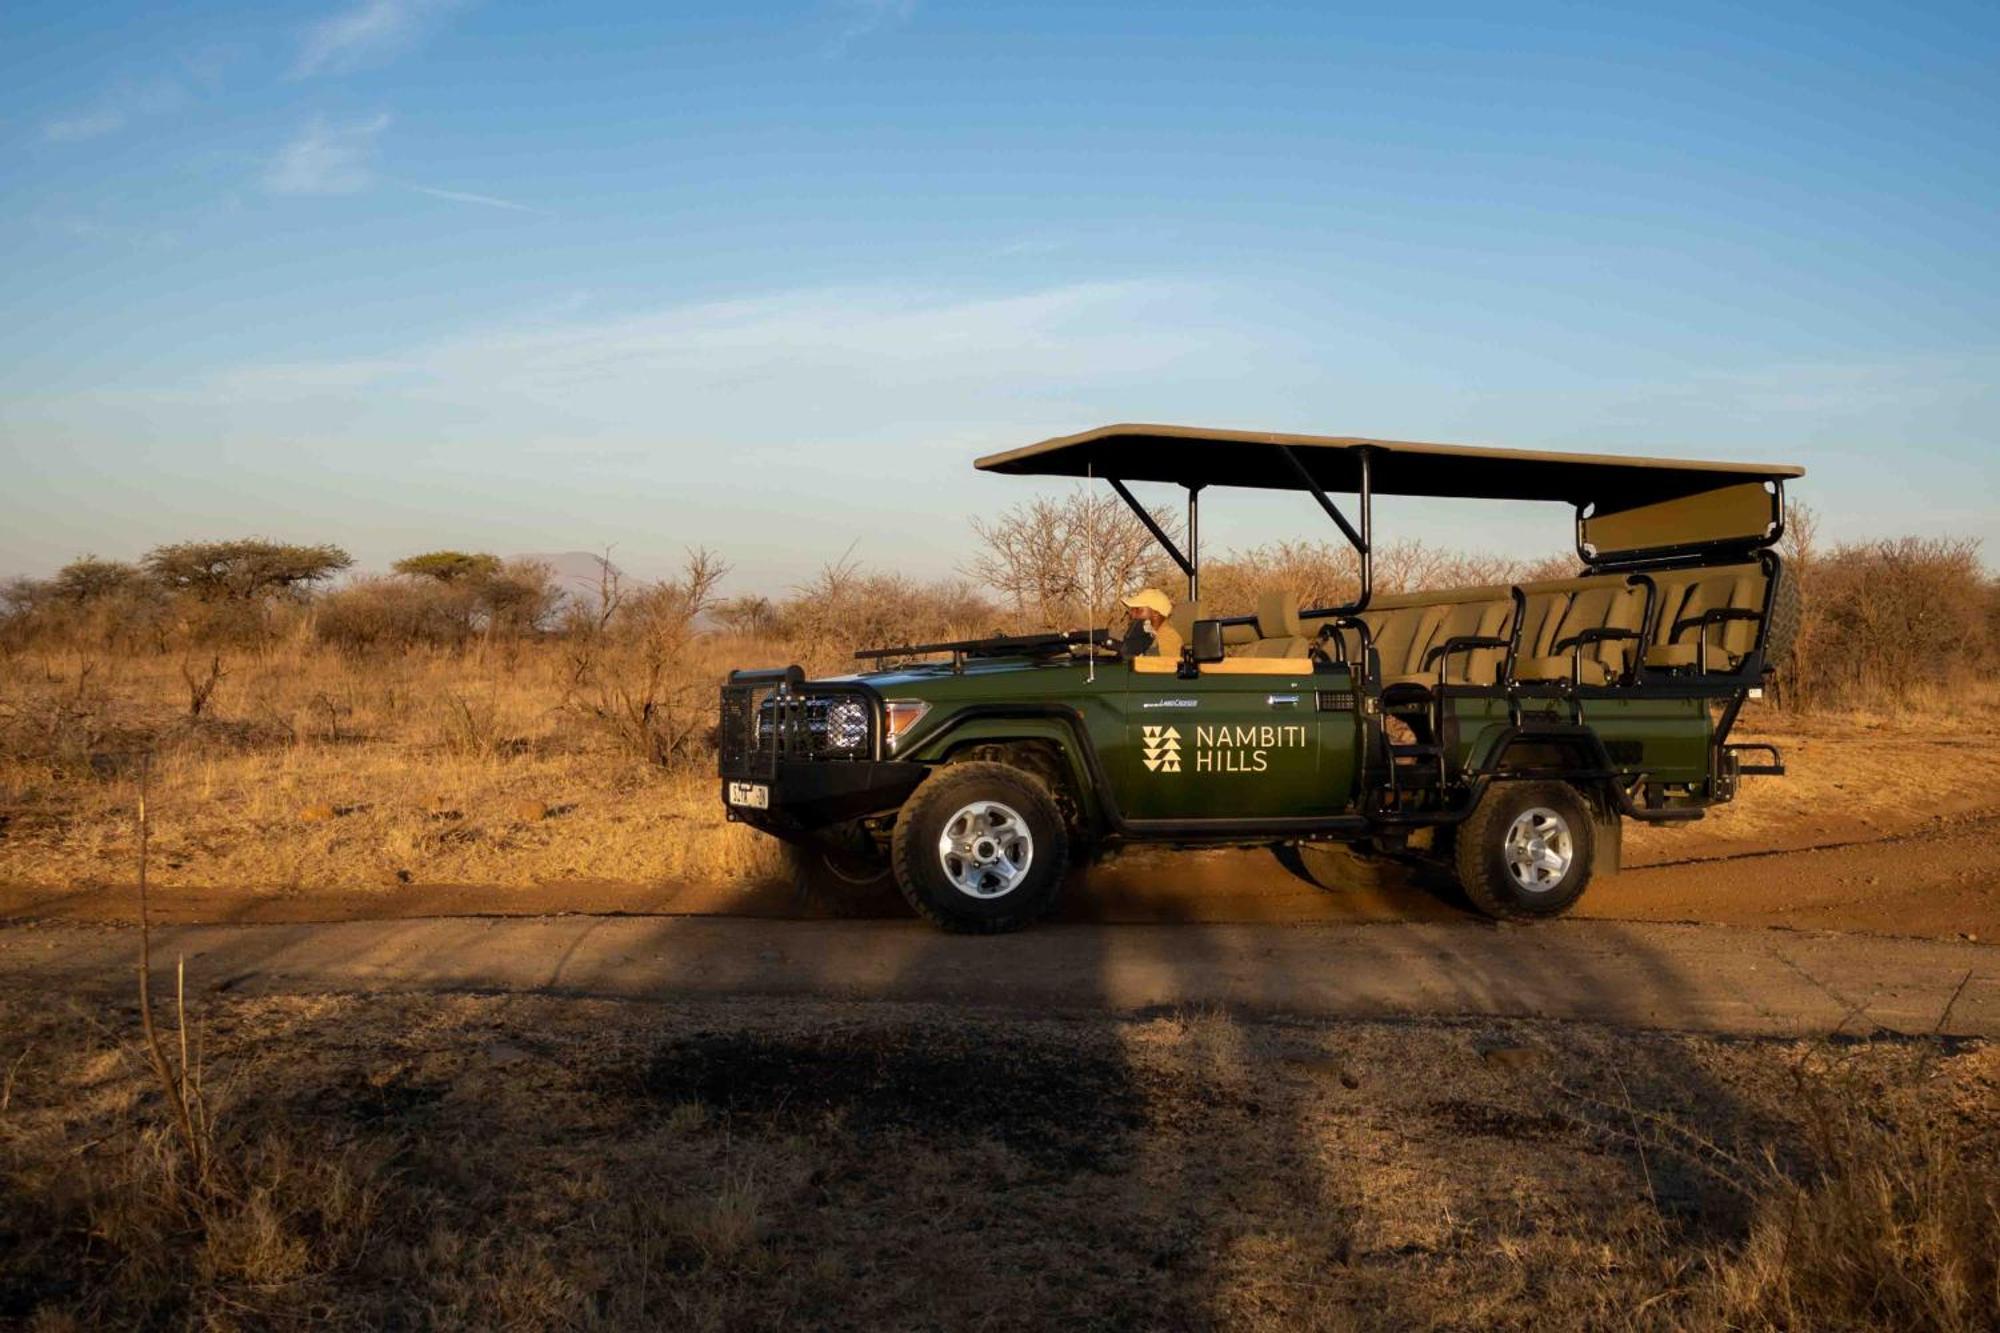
1244, 738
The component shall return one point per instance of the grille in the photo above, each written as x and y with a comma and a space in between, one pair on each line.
761, 724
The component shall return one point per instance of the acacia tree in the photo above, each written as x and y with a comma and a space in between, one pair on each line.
89, 579
245, 570
459, 567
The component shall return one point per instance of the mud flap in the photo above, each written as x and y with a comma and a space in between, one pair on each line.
1609, 840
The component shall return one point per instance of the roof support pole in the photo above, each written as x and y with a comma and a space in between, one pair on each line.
1363, 540
1194, 543
1159, 533
1367, 546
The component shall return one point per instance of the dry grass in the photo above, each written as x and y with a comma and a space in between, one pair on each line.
1892, 1227
536, 1163
311, 769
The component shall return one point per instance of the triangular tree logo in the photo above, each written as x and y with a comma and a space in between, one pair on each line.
1162, 747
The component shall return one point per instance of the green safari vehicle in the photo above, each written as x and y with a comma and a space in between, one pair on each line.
1504, 732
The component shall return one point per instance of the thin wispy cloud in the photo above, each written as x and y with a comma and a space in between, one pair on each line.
326, 158
369, 33
115, 110
1030, 245
483, 200
795, 364
90, 124
859, 18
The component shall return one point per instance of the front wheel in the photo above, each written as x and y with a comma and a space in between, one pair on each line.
1525, 852
980, 848
837, 881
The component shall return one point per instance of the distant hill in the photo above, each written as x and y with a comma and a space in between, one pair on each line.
578, 573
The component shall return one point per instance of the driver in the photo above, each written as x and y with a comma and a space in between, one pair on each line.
1148, 634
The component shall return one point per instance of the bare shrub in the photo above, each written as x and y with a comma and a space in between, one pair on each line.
89, 604
1881, 621
749, 615
398, 614
845, 607
201, 683
1328, 573
631, 677
518, 600
1063, 563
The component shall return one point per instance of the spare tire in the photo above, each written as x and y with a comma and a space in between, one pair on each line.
1787, 610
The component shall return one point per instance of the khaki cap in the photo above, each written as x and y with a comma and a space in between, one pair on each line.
1151, 599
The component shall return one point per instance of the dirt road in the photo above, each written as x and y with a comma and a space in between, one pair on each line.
1938, 878
1700, 934
1676, 977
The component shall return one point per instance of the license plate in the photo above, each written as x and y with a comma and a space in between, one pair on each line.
755, 795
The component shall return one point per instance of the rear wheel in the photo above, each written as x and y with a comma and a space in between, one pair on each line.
1525, 852
980, 848
1336, 867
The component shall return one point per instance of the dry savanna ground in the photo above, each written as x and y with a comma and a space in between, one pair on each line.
309, 769
312, 772
531, 1163
539, 1162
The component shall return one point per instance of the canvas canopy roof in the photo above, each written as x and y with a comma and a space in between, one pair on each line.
1187, 455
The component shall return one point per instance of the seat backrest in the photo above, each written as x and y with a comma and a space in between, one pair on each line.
1541, 617
1279, 630
1685, 595
1477, 616
1401, 630
1181, 621
1604, 602
1406, 627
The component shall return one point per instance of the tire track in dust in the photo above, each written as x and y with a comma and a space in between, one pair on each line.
1958, 826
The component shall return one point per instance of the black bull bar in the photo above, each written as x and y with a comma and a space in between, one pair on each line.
774, 734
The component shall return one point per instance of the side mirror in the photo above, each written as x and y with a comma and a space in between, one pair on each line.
1207, 645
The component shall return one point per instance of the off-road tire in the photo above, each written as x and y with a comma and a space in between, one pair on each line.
839, 883
1337, 868
1786, 611
1479, 853
920, 872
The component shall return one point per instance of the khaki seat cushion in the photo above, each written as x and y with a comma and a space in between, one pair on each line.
1280, 633
1594, 672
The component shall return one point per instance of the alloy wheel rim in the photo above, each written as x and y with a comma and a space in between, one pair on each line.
986, 850
1539, 849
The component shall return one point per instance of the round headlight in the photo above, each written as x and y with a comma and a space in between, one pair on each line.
846, 724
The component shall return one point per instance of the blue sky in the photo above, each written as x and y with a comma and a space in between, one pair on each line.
411, 273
